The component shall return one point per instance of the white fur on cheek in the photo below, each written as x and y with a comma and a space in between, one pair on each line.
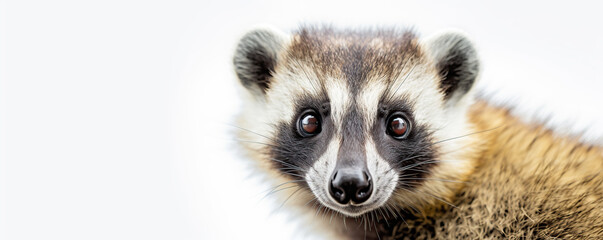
318, 177
384, 178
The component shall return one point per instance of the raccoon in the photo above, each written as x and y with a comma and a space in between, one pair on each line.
379, 134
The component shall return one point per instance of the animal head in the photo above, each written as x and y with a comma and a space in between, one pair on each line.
360, 119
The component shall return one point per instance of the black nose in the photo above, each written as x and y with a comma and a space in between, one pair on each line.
351, 184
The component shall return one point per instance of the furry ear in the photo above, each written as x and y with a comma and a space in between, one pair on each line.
256, 57
456, 62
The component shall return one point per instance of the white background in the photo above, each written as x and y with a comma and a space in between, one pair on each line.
114, 114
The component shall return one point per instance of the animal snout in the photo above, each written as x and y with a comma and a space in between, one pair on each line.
353, 184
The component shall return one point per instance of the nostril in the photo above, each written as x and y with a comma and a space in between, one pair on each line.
361, 195
337, 190
338, 193
364, 188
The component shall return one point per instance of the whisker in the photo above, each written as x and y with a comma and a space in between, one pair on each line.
435, 179
403, 81
466, 135
375, 224
324, 212
299, 188
397, 213
434, 196
411, 158
344, 225
313, 199
383, 215
287, 182
291, 171
289, 165
309, 78
419, 164
248, 141
331, 219
247, 130
318, 210
272, 192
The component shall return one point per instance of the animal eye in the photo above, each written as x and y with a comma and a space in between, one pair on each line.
398, 126
309, 124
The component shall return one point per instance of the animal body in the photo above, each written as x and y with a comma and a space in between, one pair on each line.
377, 133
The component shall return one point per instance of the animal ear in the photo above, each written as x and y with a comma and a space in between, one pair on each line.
256, 57
456, 62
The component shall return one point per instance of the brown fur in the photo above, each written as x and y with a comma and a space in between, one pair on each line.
529, 184
383, 51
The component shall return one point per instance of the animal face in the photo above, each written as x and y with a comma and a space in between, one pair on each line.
360, 119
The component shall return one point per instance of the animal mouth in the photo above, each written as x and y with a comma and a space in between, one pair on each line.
355, 210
